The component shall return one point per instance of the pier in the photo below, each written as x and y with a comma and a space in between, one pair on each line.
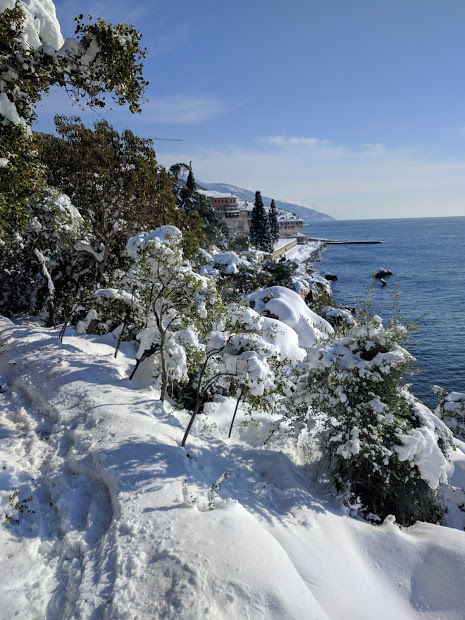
334, 242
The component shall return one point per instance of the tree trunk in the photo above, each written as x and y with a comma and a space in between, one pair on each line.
234, 416
102, 266
125, 323
164, 369
198, 404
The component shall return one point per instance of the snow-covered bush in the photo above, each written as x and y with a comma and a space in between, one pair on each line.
38, 263
171, 300
236, 356
451, 409
287, 306
248, 274
386, 450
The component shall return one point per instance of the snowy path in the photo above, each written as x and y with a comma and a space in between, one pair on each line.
123, 529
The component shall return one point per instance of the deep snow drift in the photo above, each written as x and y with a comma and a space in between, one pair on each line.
129, 525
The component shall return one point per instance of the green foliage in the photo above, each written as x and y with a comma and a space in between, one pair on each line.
200, 224
260, 233
274, 226
239, 244
191, 185
354, 386
102, 59
20, 177
113, 179
17, 505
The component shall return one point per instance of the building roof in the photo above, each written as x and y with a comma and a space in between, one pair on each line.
289, 217
213, 194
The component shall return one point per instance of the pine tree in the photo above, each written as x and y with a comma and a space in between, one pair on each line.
274, 226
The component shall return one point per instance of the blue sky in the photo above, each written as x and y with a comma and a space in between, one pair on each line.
356, 108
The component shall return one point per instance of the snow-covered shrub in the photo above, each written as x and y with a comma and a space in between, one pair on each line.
250, 274
11, 506
236, 356
104, 311
172, 300
451, 409
287, 306
385, 449
38, 263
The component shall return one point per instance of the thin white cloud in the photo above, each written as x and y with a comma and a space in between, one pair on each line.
323, 148
294, 141
185, 108
169, 109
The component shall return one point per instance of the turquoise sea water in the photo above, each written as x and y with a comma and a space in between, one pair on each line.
427, 257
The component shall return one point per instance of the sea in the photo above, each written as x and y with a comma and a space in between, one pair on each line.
427, 258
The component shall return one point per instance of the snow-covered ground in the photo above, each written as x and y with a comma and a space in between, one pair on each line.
301, 253
129, 525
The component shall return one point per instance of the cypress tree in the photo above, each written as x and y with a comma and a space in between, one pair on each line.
190, 183
255, 224
260, 234
274, 226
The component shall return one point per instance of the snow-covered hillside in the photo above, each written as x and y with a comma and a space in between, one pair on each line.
308, 214
129, 525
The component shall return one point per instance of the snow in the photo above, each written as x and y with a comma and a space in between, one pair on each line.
84, 246
228, 261
288, 307
129, 525
162, 233
113, 293
301, 253
41, 25
420, 447
8, 111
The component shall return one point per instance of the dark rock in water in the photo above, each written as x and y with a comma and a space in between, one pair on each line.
381, 273
383, 282
330, 276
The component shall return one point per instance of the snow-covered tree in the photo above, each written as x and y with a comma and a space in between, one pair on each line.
171, 300
191, 185
235, 357
39, 265
102, 58
385, 448
115, 182
451, 409
200, 224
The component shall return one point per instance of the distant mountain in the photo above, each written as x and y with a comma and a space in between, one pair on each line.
308, 215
